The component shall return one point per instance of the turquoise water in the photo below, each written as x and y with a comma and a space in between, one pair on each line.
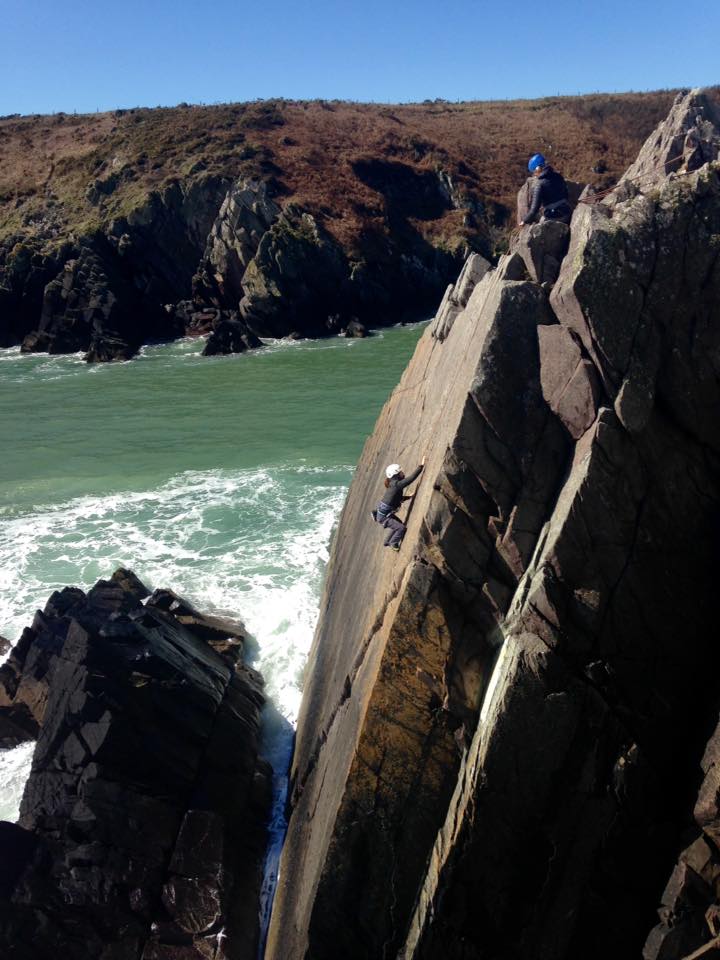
221, 478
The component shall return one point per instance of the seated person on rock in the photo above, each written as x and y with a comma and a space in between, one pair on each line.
549, 193
395, 483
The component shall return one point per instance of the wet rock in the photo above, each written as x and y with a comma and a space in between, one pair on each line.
143, 809
355, 330
194, 904
226, 636
5, 646
26, 674
230, 335
130, 584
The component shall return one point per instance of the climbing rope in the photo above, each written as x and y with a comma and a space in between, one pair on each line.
595, 197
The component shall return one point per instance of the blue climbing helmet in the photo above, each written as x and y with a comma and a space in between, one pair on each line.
535, 161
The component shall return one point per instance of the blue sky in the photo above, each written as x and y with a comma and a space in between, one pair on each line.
78, 55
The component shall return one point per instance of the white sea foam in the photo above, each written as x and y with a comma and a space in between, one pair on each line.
245, 543
14, 769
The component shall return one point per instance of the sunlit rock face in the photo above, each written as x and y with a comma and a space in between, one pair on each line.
503, 724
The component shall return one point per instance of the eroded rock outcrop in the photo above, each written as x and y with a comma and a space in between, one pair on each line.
141, 828
245, 215
502, 725
103, 293
203, 255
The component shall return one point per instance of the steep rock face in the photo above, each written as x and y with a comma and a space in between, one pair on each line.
690, 910
103, 294
91, 306
565, 530
205, 245
25, 270
142, 823
245, 215
293, 283
162, 240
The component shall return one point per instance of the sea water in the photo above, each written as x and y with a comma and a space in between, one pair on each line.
221, 478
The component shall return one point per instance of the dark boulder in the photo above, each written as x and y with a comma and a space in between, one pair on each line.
355, 329
142, 823
230, 335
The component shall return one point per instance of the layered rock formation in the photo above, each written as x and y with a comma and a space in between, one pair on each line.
103, 293
218, 258
502, 726
227, 245
141, 828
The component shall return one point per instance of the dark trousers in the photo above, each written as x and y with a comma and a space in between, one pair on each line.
396, 530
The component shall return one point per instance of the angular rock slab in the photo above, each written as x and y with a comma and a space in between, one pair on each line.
569, 381
401, 653
542, 247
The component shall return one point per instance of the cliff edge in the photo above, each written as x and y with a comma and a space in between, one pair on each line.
502, 727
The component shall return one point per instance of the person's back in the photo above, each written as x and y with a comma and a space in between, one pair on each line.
552, 187
549, 193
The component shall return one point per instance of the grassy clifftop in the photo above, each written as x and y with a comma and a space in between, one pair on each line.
352, 165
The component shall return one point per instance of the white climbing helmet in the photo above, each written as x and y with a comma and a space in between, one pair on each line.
392, 471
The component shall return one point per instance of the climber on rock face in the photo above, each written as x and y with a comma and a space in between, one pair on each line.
384, 514
549, 193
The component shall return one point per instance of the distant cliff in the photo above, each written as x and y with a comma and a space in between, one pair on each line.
502, 729
270, 218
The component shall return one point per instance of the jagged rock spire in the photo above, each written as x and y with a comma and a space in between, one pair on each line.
686, 139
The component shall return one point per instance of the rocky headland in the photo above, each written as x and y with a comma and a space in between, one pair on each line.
142, 824
506, 745
270, 219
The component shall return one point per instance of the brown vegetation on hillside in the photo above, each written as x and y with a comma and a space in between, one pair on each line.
66, 174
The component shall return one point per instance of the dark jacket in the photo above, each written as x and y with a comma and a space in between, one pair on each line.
393, 494
549, 188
